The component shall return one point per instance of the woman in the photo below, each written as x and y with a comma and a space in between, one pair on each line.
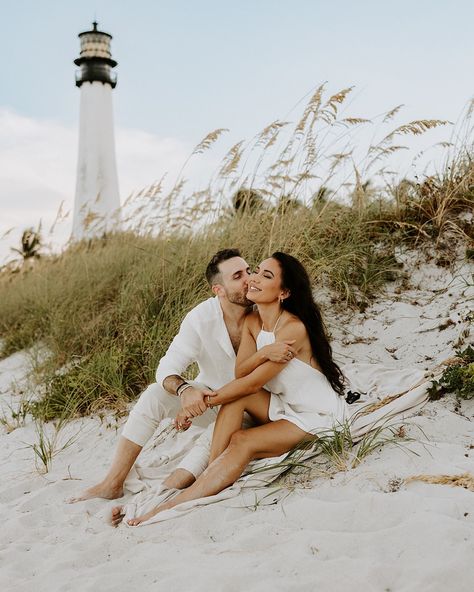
304, 397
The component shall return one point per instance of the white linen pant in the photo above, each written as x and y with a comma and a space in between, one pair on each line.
154, 405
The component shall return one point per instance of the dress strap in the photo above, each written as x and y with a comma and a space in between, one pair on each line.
275, 326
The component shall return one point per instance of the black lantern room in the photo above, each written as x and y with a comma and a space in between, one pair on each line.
95, 60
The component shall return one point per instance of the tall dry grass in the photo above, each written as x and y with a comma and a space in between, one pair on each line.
107, 309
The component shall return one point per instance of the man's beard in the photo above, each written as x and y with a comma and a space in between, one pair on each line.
239, 298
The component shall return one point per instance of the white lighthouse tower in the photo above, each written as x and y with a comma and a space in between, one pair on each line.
97, 200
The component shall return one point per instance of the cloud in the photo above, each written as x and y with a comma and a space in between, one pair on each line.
38, 171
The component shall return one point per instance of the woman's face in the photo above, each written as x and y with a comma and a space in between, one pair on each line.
265, 283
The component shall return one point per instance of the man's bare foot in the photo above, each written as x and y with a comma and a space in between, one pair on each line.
104, 490
116, 515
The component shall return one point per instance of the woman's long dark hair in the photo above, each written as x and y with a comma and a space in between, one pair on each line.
300, 302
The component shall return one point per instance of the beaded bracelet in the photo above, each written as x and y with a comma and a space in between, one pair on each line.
179, 386
182, 387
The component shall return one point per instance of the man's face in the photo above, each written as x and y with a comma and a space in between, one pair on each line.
234, 280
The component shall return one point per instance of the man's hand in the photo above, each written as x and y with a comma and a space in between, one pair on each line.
192, 402
182, 421
280, 351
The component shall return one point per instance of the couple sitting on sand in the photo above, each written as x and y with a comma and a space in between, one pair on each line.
262, 350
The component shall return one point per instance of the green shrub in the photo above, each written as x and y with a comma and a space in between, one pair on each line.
457, 378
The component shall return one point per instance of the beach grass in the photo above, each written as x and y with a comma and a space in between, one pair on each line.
106, 309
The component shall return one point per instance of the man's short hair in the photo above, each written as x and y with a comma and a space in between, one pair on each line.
212, 269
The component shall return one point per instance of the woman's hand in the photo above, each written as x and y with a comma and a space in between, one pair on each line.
280, 351
208, 396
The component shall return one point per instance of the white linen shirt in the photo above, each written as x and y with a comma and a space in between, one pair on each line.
202, 338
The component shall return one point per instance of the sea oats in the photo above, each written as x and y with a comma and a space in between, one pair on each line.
381, 152
60, 216
128, 199
465, 480
268, 136
330, 108
470, 109
415, 128
339, 156
312, 107
7, 232
209, 140
391, 114
90, 218
354, 120
282, 163
231, 160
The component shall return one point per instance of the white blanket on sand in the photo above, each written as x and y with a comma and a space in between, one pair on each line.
167, 448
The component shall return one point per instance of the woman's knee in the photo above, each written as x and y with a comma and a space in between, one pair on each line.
232, 407
241, 439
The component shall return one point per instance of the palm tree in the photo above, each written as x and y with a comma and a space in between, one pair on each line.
31, 244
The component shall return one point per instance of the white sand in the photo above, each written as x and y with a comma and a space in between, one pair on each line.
361, 530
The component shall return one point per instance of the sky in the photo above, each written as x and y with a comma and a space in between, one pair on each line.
186, 67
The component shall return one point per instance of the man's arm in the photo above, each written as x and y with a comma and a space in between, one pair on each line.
171, 383
192, 399
182, 352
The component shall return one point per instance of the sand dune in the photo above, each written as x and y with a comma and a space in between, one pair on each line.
363, 529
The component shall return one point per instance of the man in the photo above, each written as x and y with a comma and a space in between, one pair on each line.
210, 336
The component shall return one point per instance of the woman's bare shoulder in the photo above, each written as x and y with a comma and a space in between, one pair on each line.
253, 320
294, 327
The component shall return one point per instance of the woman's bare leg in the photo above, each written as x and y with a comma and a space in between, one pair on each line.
272, 439
179, 479
230, 419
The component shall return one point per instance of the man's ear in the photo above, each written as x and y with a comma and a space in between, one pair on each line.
217, 290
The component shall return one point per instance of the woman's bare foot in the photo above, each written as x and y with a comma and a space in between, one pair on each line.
116, 515
147, 516
151, 513
104, 490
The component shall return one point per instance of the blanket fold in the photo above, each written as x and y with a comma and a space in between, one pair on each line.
389, 395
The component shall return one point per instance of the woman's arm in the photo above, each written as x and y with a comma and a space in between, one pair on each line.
257, 378
249, 358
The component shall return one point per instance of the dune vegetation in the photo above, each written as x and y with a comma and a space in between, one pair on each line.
106, 309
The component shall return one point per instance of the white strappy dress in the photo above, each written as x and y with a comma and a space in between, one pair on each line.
303, 395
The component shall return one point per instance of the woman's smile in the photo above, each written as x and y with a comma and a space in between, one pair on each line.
254, 289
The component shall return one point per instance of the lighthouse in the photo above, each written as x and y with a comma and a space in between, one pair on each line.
97, 201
